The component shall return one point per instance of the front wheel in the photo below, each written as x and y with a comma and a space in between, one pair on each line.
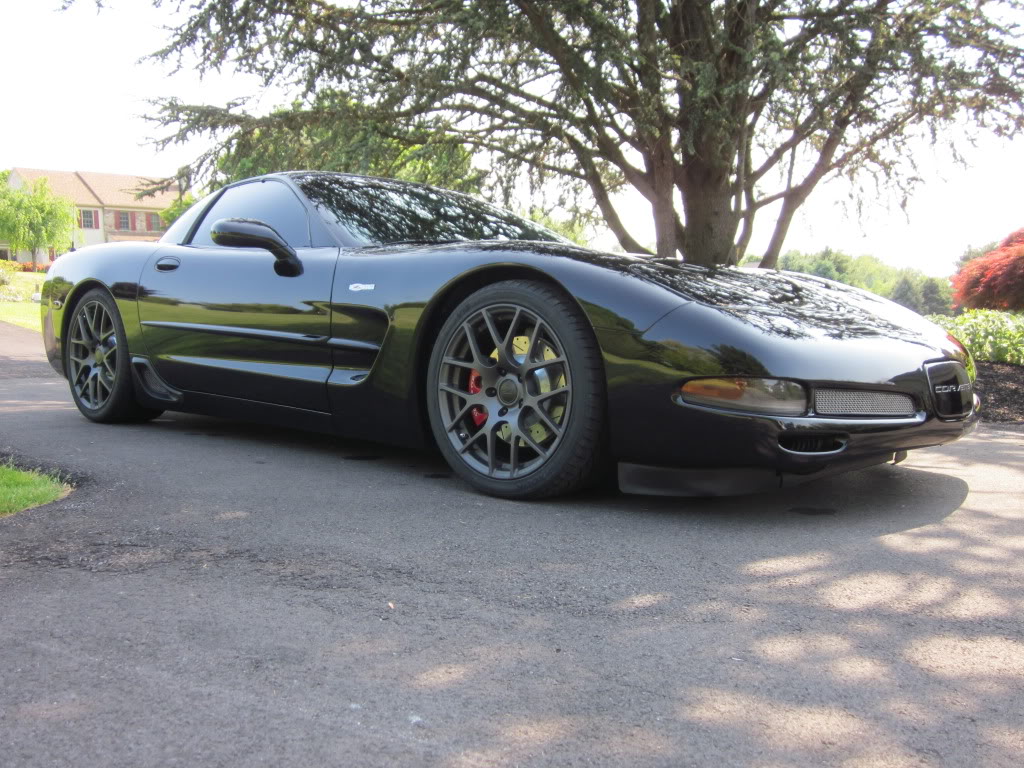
516, 394
97, 362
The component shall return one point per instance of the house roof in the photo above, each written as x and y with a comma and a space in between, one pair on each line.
115, 190
63, 183
110, 190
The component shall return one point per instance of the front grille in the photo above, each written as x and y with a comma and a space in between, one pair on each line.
853, 402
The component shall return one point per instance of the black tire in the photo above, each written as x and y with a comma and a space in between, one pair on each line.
98, 363
516, 392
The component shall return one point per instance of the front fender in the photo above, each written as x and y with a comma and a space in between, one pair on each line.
115, 267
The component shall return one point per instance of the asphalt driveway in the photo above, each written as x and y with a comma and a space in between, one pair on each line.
217, 593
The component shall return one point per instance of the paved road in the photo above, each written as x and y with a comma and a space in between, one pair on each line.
221, 594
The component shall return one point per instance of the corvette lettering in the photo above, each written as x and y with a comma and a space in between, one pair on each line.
943, 388
362, 286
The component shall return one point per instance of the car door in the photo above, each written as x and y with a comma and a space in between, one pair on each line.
220, 320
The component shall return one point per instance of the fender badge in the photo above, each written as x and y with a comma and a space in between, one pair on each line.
362, 286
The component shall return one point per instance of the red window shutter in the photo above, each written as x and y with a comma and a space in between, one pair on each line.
133, 222
97, 221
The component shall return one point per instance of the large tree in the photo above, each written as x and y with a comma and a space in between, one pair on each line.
280, 142
33, 218
712, 109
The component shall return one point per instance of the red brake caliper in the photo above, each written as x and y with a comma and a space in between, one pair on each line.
478, 413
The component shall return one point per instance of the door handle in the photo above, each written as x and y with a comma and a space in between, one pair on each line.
168, 264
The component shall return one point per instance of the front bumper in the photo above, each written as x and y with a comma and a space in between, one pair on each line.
774, 452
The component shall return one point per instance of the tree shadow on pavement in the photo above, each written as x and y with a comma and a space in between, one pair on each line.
872, 618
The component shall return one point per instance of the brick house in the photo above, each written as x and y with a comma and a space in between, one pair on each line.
105, 204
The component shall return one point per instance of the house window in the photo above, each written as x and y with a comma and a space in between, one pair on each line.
5, 255
153, 221
124, 220
88, 219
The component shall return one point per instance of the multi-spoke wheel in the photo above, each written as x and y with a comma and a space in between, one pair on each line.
96, 362
516, 395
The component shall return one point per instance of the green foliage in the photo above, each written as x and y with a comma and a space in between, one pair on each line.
34, 218
572, 228
172, 212
909, 287
990, 335
19, 285
331, 135
907, 294
971, 253
7, 271
833, 265
711, 110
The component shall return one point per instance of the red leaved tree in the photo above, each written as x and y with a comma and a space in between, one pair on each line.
995, 280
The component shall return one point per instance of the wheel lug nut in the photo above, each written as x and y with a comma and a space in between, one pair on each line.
503, 411
491, 392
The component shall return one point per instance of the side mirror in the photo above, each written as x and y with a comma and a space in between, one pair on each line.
250, 233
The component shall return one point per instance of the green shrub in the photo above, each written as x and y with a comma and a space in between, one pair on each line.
7, 270
990, 335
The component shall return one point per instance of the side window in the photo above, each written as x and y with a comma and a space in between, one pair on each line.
268, 201
177, 232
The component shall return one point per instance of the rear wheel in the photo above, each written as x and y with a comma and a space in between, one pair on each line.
516, 392
97, 362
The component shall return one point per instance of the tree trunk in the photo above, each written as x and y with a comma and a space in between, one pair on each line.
663, 205
711, 220
34, 267
789, 206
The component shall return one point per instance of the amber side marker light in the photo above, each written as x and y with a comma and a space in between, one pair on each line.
774, 397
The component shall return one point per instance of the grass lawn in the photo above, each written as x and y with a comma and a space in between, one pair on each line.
23, 313
27, 283
21, 490
22, 285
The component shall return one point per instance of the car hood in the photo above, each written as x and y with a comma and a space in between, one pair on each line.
790, 305
784, 305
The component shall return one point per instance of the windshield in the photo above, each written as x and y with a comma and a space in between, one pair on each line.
380, 211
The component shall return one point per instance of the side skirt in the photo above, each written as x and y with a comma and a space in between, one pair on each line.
152, 391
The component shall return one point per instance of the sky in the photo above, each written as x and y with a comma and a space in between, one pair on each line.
74, 92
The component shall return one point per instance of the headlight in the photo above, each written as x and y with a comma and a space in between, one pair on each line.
777, 397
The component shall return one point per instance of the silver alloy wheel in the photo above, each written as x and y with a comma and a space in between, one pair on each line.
504, 391
92, 355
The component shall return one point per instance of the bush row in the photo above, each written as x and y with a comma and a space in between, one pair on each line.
990, 335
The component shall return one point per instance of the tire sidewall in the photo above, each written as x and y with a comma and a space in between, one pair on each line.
122, 396
578, 344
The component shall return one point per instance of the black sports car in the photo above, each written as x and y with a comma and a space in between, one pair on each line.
401, 313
